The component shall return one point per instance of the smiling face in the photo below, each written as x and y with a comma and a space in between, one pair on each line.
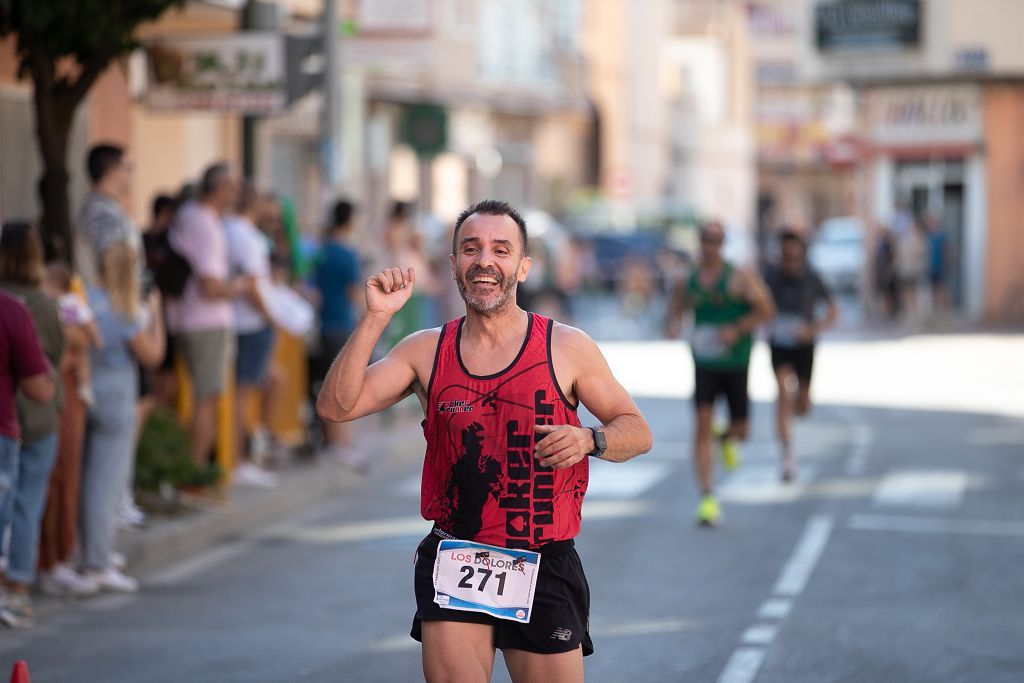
488, 263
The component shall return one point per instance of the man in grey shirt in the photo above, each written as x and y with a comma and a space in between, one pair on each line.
102, 220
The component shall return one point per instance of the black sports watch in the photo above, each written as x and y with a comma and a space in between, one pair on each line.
600, 443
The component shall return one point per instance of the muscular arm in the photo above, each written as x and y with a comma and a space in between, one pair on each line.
626, 430
753, 289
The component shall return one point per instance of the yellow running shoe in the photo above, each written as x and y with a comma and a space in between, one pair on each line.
730, 453
708, 512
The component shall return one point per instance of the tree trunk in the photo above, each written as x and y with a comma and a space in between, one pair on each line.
55, 103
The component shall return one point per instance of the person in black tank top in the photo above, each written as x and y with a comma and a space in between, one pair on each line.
506, 464
798, 291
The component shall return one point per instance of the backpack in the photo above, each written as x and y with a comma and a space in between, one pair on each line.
173, 273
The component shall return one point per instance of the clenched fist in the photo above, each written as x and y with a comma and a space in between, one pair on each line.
388, 290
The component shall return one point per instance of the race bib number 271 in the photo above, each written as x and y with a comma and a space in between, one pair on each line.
474, 577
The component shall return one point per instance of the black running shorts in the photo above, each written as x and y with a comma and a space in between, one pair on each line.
709, 384
561, 605
800, 358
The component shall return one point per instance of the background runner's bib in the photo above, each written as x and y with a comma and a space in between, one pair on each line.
706, 342
785, 328
716, 306
481, 481
474, 577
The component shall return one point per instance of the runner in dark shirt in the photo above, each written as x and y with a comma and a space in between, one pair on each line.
798, 291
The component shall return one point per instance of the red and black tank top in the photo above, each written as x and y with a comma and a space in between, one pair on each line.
481, 481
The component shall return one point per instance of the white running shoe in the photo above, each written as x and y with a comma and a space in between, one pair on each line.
248, 474
114, 581
62, 581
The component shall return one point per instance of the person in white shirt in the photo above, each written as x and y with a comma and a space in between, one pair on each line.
249, 256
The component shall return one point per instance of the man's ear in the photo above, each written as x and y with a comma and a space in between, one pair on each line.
524, 268
451, 261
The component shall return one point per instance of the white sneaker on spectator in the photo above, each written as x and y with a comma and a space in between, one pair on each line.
118, 561
114, 581
129, 516
62, 580
248, 474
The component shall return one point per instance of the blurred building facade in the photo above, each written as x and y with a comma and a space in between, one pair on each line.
939, 86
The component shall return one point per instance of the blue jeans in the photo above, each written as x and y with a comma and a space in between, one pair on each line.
108, 455
9, 449
34, 466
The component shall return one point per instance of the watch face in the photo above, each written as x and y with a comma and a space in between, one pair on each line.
599, 439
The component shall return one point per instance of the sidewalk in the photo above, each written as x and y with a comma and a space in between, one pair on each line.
172, 538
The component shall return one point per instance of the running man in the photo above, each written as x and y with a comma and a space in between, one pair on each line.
797, 290
506, 464
729, 303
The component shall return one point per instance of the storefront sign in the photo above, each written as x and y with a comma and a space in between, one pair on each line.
867, 24
241, 73
925, 115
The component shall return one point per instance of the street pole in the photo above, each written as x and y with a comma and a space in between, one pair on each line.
258, 15
332, 100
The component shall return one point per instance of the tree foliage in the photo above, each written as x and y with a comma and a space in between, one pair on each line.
64, 46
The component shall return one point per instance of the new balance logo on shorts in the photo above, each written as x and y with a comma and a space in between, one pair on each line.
561, 634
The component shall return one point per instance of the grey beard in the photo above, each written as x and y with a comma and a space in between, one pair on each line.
501, 303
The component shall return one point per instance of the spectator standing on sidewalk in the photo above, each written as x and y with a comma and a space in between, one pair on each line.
22, 367
202, 319
132, 336
59, 534
21, 274
337, 278
102, 220
156, 241
249, 256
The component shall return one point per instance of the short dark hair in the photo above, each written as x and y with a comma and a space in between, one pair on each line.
213, 176
162, 203
342, 214
400, 209
102, 159
21, 254
491, 207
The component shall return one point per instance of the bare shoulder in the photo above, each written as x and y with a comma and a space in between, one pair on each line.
571, 343
744, 279
418, 346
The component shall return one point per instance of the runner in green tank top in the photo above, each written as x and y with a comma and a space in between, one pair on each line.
729, 304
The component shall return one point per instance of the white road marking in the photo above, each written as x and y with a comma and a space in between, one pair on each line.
743, 665
612, 480
642, 627
856, 463
759, 484
759, 634
745, 661
922, 488
801, 563
996, 436
926, 525
402, 527
614, 509
775, 608
187, 569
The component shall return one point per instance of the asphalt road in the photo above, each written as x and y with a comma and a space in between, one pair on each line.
896, 557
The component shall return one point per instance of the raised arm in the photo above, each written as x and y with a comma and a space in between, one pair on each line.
351, 389
626, 430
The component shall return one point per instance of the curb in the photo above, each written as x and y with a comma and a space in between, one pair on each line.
169, 541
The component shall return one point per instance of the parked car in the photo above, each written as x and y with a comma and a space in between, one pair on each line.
837, 253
